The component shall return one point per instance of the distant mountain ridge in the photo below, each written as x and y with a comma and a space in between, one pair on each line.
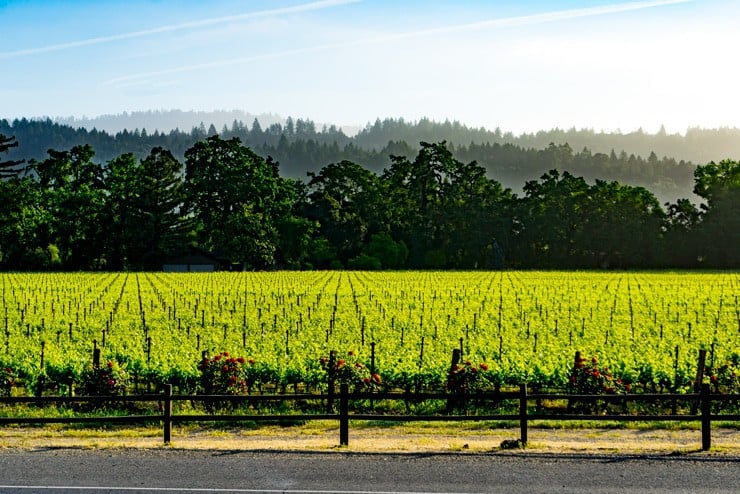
165, 121
697, 145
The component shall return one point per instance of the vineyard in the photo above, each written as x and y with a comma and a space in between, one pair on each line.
645, 328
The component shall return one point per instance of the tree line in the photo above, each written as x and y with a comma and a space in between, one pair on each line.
429, 211
635, 159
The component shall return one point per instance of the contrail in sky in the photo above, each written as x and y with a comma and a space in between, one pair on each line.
505, 22
296, 9
545, 17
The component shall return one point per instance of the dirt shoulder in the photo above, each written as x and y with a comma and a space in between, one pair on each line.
390, 439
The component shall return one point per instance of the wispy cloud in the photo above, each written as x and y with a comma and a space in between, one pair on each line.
500, 23
560, 15
295, 9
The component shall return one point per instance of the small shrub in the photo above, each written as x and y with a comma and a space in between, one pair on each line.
588, 378
223, 374
348, 369
467, 377
7, 380
110, 379
726, 377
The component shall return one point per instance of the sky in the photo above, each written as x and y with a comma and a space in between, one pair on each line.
521, 66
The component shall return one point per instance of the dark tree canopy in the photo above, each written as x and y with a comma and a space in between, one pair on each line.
427, 211
719, 229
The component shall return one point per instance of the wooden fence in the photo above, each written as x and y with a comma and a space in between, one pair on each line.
701, 410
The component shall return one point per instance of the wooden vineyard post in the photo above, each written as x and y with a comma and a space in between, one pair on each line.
452, 401
674, 404
700, 370
40, 381
372, 368
331, 367
167, 415
523, 413
96, 354
699, 375
344, 414
706, 419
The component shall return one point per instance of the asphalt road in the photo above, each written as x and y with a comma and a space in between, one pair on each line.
54, 471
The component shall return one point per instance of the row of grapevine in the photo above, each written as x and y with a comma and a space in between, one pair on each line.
647, 328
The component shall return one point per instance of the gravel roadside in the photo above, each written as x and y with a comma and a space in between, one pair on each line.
396, 439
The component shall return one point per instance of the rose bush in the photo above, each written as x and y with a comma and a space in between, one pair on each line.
109, 379
348, 369
588, 378
223, 374
467, 377
7, 380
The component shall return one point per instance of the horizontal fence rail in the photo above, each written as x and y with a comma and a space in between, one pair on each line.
703, 402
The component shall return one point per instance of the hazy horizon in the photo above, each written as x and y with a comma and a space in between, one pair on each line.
114, 122
519, 66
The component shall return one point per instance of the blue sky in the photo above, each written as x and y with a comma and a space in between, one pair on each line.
518, 65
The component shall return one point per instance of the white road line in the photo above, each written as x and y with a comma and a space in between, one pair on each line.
181, 489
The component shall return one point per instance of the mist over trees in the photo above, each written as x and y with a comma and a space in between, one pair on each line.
425, 209
164, 121
663, 163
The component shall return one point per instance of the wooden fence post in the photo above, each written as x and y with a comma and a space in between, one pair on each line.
706, 420
167, 416
523, 413
344, 414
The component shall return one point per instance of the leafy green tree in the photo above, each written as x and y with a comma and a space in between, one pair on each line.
416, 190
622, 226
238, 200
719, 231
296, 231
365, 262
15, 197
447, 212
679, 238
294, 241
550, 220
147, 218
321, 254
159, 210
564, 222
122, 186
345, 200
476, 216
73, 198
20, 217
389, 253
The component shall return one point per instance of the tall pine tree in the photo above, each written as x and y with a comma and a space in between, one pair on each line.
8, 168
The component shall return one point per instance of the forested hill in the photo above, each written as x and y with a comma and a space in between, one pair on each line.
663, 163
696, 145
